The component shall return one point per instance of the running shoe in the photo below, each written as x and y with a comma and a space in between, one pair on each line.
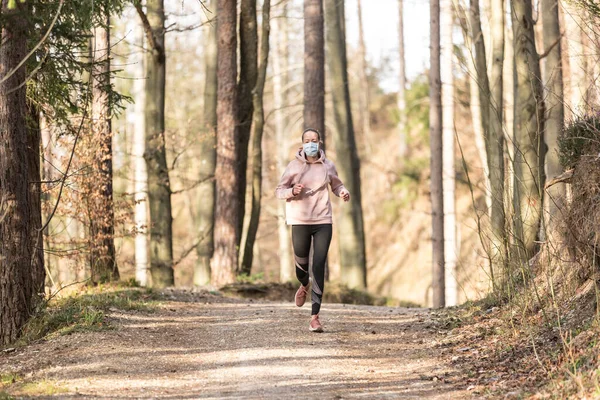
301, 295
315, 324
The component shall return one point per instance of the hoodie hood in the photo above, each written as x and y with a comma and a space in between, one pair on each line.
300, 156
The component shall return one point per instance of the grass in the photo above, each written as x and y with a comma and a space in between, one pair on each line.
13, 386
85, 311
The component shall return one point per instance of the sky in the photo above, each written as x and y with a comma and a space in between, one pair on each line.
380, 20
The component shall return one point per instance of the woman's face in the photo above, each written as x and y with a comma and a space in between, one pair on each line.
310, 136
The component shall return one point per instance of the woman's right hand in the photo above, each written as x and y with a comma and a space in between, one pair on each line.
297, 189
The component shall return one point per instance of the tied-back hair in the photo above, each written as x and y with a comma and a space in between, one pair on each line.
311, 130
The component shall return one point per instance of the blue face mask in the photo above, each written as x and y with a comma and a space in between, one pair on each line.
311, 149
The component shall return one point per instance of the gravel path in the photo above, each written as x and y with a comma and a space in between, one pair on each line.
227, 348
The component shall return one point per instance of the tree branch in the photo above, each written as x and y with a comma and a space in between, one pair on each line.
545, 53
147, 26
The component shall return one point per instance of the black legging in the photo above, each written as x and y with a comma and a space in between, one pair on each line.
301, 239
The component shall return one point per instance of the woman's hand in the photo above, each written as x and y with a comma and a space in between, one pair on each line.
297, 189
345, 195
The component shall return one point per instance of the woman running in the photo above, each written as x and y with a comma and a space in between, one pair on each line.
308, 209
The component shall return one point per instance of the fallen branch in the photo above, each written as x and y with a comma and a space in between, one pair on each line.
564, 177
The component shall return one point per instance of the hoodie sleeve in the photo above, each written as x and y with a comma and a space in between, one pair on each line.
284, 188
334, 180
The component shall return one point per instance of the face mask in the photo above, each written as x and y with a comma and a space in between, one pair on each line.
311, 149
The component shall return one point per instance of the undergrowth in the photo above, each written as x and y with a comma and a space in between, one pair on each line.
84, 311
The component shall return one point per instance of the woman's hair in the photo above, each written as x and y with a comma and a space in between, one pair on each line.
311, 130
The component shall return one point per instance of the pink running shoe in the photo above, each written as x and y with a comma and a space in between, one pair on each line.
315, 324
301, 295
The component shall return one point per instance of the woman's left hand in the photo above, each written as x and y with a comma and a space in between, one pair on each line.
345, 195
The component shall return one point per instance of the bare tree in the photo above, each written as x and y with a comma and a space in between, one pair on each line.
141, 180
451, 247
208, 157
247, 81
314, 66
350, 221
103, 263
159, 188
529, 111
554, 120
402, 116
225, 257
363, 95
435, 128
280, 55
257, 135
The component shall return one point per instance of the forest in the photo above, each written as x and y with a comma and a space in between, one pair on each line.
142, 143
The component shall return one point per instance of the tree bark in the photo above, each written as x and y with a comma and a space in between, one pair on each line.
495, 142
435, 129
103, 263
529, 111
17, 289
257, 135
225, 257
574, 53
364, 93
208, 158
141, 178
159, 188
448, 182
554, 121
247, 82
314, 67
280, 81
350, 221
402, 116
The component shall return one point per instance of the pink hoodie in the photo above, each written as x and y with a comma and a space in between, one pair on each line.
312, 205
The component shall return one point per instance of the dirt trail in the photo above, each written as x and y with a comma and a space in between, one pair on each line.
227, 348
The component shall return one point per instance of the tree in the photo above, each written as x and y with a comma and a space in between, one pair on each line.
140, 179
451, 247
225, 257
350, 222
257, 135
280, 55
363, 95
314, 67
103, 262
18, 291
159, 188
247, 82
208, 156
529, 111
435, 129
402, 117
495, 138
554, 119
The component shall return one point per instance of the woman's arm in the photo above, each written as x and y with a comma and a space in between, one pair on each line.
285, 188
337, 186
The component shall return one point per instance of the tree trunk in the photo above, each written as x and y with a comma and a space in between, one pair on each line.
280, 81
159, 188
17, 289
103, 263
509, 118
402, 116
364, 94
141, 179
448, 182
350, 225
208, 158
248, 75
554, 120
435, 128
257, 134
314, 67
529, 111
225, 257
38, 272
574, 52
495, 142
